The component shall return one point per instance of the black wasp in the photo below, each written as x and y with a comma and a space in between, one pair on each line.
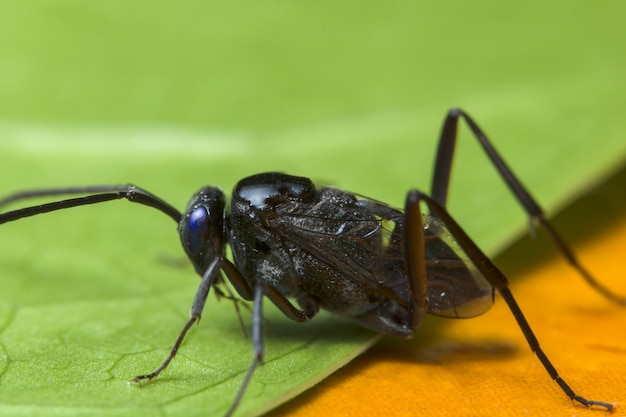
331, 249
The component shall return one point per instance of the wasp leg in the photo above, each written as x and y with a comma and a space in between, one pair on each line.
196, 313
499, 281
257, 331
244, 290
284, 305
259, 347
415, 258
441, 182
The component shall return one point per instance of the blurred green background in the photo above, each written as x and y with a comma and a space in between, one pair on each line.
173, 96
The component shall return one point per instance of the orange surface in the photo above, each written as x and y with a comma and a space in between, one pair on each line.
483, 367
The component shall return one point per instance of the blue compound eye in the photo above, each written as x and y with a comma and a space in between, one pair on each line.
196, 230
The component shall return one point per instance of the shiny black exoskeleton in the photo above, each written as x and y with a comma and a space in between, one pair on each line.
328, 249
307, 249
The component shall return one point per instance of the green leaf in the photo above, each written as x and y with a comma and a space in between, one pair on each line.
97, 295
172, 97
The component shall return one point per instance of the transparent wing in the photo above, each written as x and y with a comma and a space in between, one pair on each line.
360, 243
366, 245
456, 289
